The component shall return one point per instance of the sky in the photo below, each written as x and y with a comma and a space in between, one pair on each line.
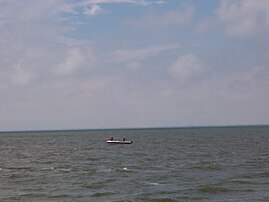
88, 64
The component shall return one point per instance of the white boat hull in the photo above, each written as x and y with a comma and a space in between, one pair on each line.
118, 142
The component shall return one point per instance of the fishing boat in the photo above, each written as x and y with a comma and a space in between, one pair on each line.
119, 141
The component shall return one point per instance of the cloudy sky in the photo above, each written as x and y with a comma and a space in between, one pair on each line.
67, 64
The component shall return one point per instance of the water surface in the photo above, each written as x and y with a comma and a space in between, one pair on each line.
185, 164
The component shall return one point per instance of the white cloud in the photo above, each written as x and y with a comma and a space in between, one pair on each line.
35, 47
174, 17
140, 53
134, 65
244, 17
74, 60
141, 2
96, 9
93, 10
157, 21
133, 58
27, 10
67, 8
20, 76
17, 75
186, 66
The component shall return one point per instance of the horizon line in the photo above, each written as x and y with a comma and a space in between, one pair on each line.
135, 128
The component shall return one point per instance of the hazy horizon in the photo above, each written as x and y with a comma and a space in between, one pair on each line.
137, 128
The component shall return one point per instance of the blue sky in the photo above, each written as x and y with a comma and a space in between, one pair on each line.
68, 64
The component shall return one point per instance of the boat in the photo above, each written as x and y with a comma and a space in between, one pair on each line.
119, 141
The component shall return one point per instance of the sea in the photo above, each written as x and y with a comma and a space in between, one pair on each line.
162, 165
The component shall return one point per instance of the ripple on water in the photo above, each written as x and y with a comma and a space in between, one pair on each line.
98, 184
254, 175
206, 166
164, 200
102, 194
217, 189
145, 198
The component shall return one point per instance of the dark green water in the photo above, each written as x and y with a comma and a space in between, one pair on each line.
188, 164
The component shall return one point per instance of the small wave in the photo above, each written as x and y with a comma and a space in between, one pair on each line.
67, 170
206, 166
108, 170
164, 200
264, 174
47, 168
216, 189
147, 197
242, 181
254, 175
98, 184
154, 183
20, 168
125, 169
101, 194
213, 189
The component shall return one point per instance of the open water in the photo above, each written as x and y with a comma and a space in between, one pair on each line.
162, 165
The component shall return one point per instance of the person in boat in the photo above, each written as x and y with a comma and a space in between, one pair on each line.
124, 139
111, 138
